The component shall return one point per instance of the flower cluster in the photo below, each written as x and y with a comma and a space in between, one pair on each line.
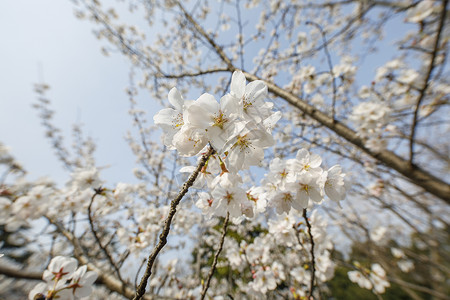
374, 279
64, 281
371, 118
239, 128
294, 182
421, 11
280, 257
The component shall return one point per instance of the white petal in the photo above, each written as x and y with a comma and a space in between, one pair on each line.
256, 90
176, 99
230, 106
238, 82
315, 161
165, 116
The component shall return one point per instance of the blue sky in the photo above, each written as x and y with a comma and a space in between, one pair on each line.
86, 87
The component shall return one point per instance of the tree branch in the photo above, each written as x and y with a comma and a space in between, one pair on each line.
216, 257
427, 78
140, 291
99, 191
330, 65
20, 274
414, 173
313, 258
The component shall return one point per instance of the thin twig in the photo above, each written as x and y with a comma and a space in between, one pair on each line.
139, 271
427, 78
216, 257
313, 259
241, 37
330, 64
140, 291
99, 191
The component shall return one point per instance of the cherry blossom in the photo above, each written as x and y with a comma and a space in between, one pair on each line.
64, 280
171, 119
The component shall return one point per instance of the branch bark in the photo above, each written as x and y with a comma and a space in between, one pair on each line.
216, 257
20, 274
140, 291
427, 78
313, 258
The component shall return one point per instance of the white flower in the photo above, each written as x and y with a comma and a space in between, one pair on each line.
397, 253
205, 202
60, 268
123, 192
63, 282
39, 290
34, 204
378, 234
278, 271
250, 98
360, 279
85, 178
284, 200
301, 275
282, 229
190, 140
364, 92
369, 114
169, 119
345, 69
247, 148
278, 173
378, 270
306, 73
420, 12
324, 266
304, 162
234, 257
258, 197
214, 119
335, 185
263, 280
247, 209
378, 278
207, 174
5, 209
255, 252
375, 144
405, 265
228, 200
227, 180
82, 282
309, 186
409, 76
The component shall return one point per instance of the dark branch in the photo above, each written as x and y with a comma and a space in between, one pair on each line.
97, 238
313, 258
140, 291
216, 257
427, 78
